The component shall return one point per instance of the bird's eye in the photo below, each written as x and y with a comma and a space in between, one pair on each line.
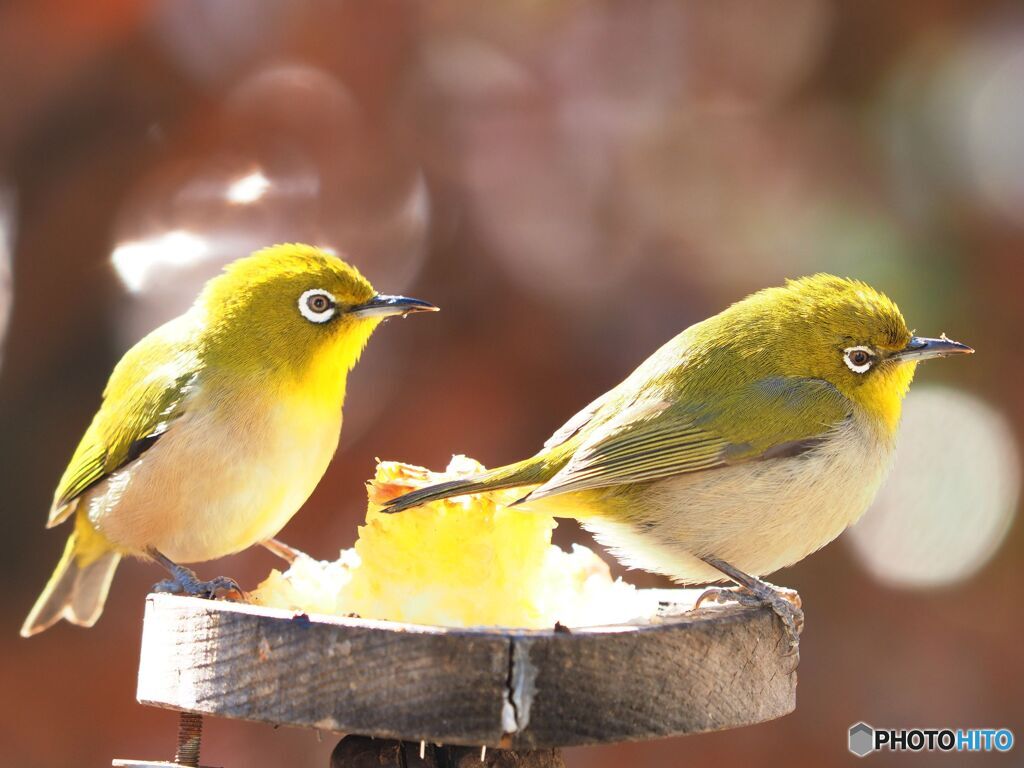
858, 359
317, 305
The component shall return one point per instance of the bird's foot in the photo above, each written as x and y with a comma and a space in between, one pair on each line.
187, 583
184, 581
785, 603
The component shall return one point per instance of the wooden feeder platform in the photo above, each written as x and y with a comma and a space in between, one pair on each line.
682, 672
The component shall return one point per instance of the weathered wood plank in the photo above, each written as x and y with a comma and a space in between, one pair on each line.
338, 675
719, 668
687, 676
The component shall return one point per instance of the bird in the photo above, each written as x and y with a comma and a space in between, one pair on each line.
742, 445
215, 428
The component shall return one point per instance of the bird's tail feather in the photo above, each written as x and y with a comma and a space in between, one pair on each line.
78, 587
527, 472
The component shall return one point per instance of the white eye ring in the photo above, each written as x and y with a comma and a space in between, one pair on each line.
863, 367
311, 299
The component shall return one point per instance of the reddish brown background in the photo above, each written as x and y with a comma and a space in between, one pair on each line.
573, 182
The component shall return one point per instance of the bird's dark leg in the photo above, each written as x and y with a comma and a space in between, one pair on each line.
282, 550
753, 591
184, 581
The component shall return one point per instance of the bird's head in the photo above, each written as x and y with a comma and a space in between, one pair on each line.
294, 309
839, 330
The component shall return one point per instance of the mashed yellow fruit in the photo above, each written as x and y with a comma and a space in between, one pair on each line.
466, 561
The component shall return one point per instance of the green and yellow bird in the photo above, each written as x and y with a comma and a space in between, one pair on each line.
215, 428
744, 444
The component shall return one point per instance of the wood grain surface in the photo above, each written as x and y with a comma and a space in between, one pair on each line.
720, 667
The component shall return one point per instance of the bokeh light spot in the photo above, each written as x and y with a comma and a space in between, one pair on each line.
950, 498
7, 203
136, 260
248, 189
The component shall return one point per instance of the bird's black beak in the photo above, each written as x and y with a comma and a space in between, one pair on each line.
922, 349
386, 306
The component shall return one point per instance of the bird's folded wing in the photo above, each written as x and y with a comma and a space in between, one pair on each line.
655, 438
147, 392
568, 430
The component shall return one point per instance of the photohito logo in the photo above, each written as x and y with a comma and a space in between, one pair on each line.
865, 739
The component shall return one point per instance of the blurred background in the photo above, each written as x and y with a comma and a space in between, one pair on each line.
573, 182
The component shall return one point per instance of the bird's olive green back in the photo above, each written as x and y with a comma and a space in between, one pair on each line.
763, 378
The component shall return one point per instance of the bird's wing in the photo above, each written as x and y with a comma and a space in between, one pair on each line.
656, 437
566, 432
147, 392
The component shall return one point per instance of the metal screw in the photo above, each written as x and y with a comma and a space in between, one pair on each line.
190, 733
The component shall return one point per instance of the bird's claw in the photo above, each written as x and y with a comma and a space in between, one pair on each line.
185, 582
785, 603
724, 595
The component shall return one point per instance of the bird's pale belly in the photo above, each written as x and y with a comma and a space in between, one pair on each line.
208, 489
759, 516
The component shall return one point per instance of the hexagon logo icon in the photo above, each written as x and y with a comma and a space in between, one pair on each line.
862, 739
